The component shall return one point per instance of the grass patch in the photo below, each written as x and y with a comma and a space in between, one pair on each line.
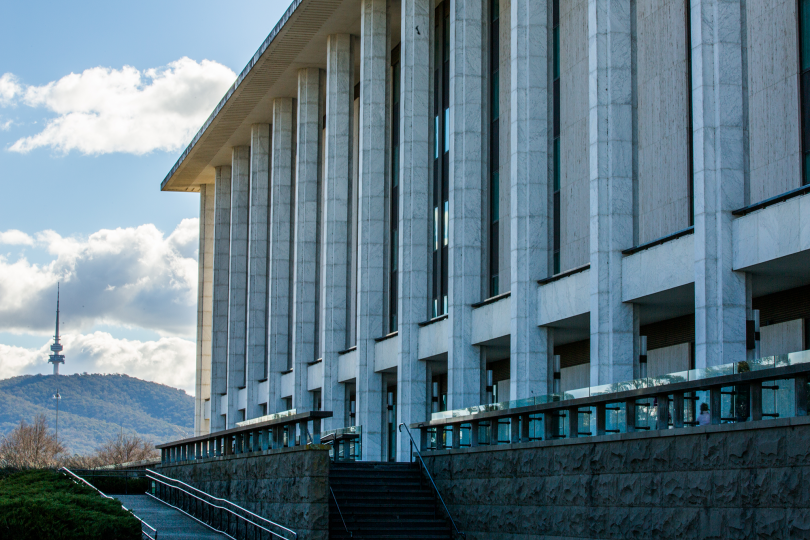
46, 504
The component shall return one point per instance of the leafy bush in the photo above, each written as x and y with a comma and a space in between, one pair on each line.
46, 504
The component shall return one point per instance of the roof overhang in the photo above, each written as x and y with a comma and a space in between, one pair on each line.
297, 41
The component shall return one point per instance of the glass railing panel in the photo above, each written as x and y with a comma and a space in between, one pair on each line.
646, 413
615, 418
577, 394
778, 399
536, 427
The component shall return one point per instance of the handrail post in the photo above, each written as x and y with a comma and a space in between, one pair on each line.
514, 429
601, 414
715, 397
525, 427
573, 422
677, 409
630, 415
662, 421
800, 394
756, 400
456, 436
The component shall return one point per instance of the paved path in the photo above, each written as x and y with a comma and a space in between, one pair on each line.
170, 523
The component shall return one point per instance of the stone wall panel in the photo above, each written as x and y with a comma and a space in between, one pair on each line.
729, 481
290, 487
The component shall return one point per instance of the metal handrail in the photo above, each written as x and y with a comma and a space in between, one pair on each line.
225, 501
341, 513
418, 453
75, 477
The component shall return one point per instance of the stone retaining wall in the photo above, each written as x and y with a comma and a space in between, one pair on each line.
288, 486
731, 481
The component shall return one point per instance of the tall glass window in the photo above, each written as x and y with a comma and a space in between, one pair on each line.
441, 158
804, 62
494, 148
690, 124
555, 136
393, 240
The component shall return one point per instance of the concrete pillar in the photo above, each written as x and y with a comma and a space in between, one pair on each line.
205, 290
336, 211
720, 299
280, 246
529, 200
237, 301
414, 245
257, 266
468, 111
305, 256
219, 311
371, 221
611, 187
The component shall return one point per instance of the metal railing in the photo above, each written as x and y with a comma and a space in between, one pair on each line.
750, 391
340, 513
132, 479
430, 477
215, 513
144, 525
285, 432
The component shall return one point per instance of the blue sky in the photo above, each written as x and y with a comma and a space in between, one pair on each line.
81, 161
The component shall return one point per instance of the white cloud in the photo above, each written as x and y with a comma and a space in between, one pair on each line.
5, 126
13, 237
167, 361
132, 277
103, 110
9, 89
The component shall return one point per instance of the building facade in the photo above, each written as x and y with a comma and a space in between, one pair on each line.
420, 205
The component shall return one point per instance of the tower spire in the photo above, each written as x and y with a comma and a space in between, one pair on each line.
56, 358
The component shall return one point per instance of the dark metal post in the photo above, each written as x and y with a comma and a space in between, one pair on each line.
573, 422
456, 443
600, 418
756, 400
525, 425
800, 394
630, 415
677, 406
514, 429
474, 427
716, 399
663, 412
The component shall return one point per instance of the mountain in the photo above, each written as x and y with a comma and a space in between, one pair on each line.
94, 408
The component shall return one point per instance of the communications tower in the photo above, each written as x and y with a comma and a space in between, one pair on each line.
56, 358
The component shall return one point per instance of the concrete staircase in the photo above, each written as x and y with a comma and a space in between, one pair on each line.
384, 500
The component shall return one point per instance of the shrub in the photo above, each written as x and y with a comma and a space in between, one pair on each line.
46, 504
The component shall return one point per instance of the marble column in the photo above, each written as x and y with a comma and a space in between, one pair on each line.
468, 111
371, 221
336, 211
257, 307
414, 215
237, 300
611, 187
718, 139
529, 184
205, 290
305, 255
219, 306
280, 246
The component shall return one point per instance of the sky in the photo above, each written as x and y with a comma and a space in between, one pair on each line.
97, 101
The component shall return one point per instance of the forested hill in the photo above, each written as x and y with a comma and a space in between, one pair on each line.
95, 407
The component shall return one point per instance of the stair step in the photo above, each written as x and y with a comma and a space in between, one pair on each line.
390, 501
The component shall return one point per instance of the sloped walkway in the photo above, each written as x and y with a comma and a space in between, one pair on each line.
170, 523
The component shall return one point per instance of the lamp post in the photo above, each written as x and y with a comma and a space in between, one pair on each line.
57, 397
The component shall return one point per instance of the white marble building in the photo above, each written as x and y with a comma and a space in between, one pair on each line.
402, 198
